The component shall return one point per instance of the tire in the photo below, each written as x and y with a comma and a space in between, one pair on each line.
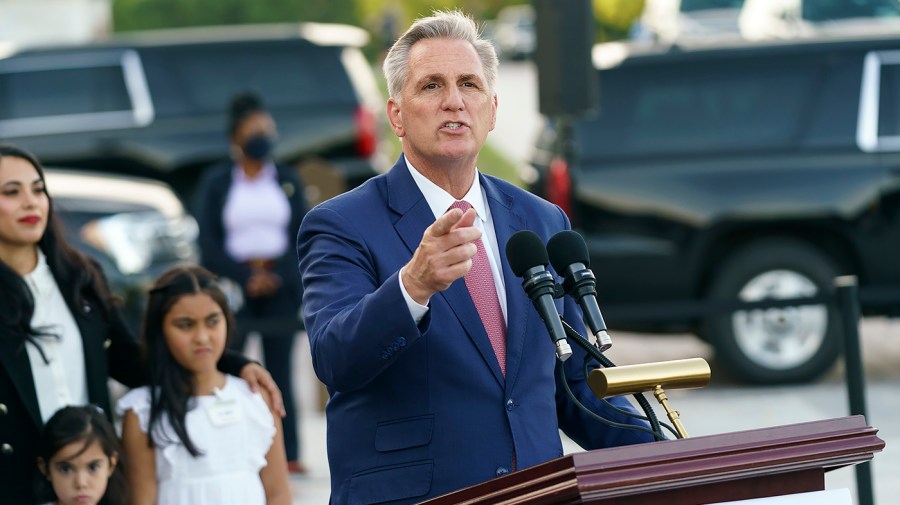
778, 345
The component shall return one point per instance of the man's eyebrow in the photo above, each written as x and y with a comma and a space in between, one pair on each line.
469, 77
432, 77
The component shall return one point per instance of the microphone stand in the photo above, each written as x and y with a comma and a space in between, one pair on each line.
606, 362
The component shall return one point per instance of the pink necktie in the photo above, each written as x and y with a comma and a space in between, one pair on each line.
483, 291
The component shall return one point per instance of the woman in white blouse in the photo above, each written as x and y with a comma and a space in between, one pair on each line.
61, 335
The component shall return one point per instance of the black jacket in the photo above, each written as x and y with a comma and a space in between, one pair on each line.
212, 194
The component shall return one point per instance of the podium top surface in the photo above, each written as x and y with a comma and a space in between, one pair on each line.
812, 447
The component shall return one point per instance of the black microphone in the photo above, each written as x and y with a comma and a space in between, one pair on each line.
527, 257
569, 256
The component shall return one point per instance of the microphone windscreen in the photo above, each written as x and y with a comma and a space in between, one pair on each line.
525, 250
565, 248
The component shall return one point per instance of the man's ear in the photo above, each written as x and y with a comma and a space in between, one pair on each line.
395, 118
494, 114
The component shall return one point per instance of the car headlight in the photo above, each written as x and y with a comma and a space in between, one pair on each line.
135, 241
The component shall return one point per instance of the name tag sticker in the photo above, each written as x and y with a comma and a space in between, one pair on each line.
224, 412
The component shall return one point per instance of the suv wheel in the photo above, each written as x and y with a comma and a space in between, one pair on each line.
776, 345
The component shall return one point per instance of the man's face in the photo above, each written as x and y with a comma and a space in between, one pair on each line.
446, 109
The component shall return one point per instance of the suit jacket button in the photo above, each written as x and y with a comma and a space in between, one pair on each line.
510, 405
3, 409
6, 449
501, 471
107, 343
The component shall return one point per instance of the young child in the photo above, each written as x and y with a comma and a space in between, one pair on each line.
196, 435
78, 455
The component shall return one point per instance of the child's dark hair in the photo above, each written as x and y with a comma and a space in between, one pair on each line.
171, 385
83, 424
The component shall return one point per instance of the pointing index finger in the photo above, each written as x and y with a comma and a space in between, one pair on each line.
446, 222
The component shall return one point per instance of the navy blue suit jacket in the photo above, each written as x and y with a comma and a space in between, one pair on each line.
421, 410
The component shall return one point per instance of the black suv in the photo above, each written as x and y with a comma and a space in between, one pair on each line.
154, 104
135, 228
747, 172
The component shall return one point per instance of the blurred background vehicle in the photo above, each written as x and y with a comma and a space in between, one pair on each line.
748, 171
135, 228
153, 103
667, 21
514, 32
711, 21
766, 19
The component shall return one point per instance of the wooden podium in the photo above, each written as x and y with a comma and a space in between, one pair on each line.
733, 466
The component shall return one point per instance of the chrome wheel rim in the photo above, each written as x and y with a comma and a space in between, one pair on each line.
784, 337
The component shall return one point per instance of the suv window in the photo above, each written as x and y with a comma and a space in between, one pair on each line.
889, 105
55, 94
830, 11
202, 77
879, 109
667, 110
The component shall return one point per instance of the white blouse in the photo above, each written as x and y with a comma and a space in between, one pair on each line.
256, 216
61, 380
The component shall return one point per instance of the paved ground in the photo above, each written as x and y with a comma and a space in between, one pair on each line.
720, 408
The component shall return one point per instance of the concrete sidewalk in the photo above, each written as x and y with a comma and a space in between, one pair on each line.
314, 487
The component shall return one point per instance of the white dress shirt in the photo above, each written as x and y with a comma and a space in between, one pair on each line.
440, 201
61, 380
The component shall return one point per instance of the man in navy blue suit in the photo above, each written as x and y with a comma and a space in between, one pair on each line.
440, 372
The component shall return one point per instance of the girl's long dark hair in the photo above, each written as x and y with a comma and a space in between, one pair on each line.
171, 385
78, 277
83, 424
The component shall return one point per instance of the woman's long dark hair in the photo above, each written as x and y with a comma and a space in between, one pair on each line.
77, 276
171, 385
83, 424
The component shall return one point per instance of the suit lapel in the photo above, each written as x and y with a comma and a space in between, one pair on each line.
506, 222
405, 198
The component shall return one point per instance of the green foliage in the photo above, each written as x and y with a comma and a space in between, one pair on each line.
615, 17
131, 15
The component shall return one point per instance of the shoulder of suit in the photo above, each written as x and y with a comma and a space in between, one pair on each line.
511, 190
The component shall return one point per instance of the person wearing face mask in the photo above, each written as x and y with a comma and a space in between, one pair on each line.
249, 210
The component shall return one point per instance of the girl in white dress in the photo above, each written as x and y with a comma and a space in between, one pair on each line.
195, 435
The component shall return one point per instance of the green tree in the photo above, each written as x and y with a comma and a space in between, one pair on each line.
131, 15
615, 17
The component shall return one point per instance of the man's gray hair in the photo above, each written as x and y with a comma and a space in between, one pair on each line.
440, 25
